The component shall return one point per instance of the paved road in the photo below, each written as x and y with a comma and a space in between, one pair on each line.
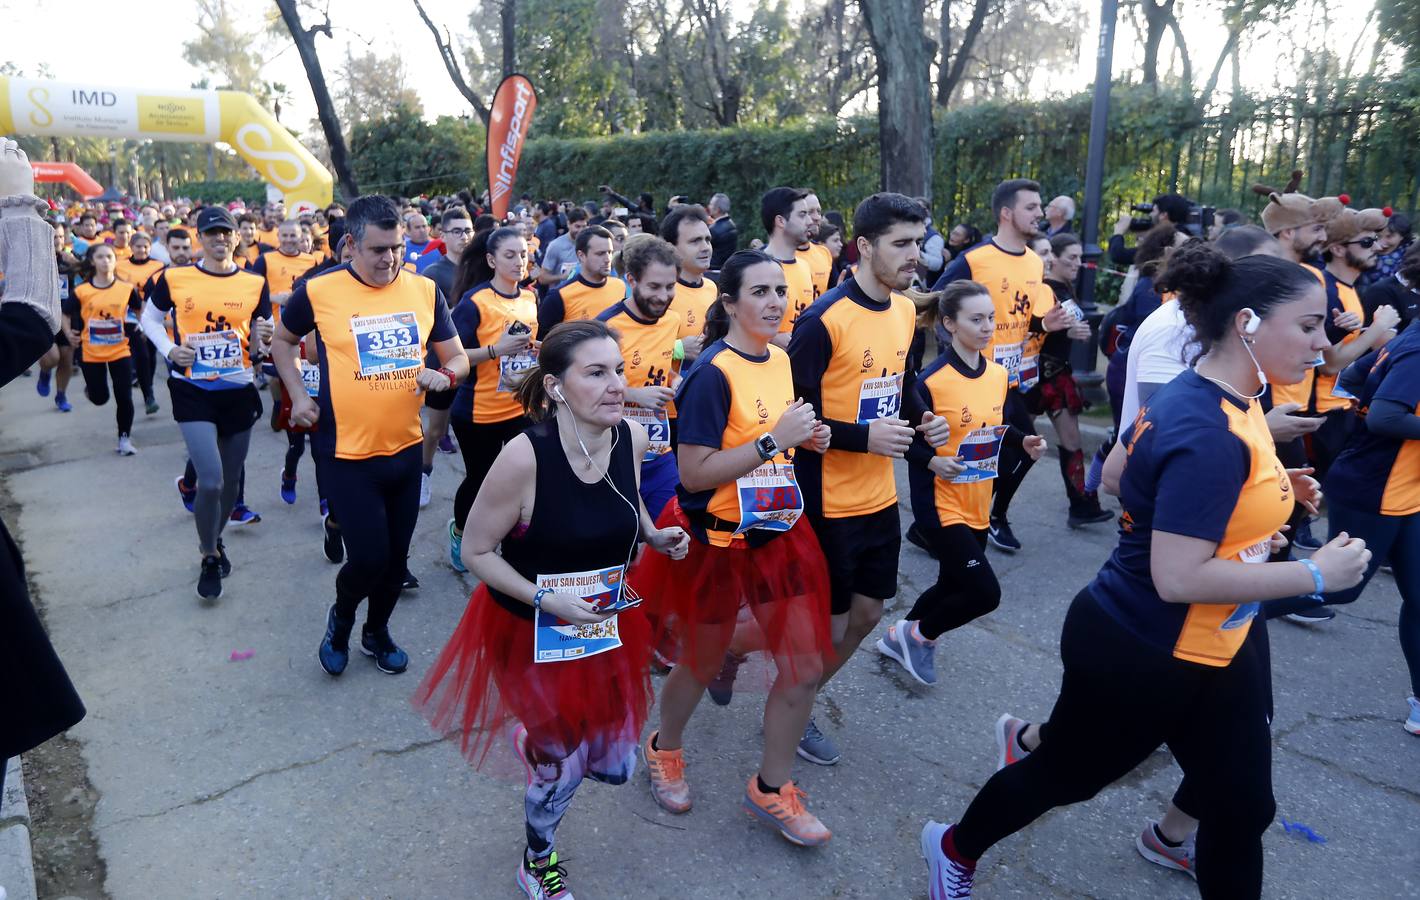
268, 778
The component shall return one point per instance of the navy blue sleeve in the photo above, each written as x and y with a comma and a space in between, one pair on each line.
296, 313
956, 270
71, 308
466, 318
611, 312
135, 301
810, 349
1401, 383
1333, 305
551, 311
703, 408
1199, 475
158, 294
443, 327
916, 401
258, 267
1121, 254
263, 305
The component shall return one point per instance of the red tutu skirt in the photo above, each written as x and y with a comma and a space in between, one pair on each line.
777, 593
485, 683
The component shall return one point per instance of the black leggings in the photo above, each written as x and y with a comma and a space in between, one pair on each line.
376, 503
966, 587
145, 359
1015, 462
480, 446
295, 448
1108, 719
96, 379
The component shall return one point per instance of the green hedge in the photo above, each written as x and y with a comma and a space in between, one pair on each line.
252, 191
1364, 140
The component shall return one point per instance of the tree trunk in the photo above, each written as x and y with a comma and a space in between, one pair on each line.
949, 75
1156, 20
325, 108
507, 22
1185, 62
900, 43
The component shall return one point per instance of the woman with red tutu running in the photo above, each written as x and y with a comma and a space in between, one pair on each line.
551, 643
740, 427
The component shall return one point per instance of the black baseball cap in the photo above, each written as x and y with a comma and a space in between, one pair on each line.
213, 217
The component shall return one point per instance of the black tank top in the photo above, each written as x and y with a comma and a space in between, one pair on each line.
575, 526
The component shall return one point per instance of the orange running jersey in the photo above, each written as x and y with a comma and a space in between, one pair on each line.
213, 314
372, 343
98, 315
1015, 281
849, 353
972, 401
692, 301
727, 400
481, 318
802, 294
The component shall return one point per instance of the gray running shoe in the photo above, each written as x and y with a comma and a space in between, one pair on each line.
1179, 858
915, 656
817, 747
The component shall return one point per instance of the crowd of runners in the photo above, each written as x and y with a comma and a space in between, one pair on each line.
679, 460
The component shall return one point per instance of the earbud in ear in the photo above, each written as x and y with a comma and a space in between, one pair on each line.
1254, 322
557, 395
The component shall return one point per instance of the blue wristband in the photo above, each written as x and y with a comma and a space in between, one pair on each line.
537, 598
1318, 583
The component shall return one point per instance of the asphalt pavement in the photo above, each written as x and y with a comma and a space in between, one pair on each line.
264, 777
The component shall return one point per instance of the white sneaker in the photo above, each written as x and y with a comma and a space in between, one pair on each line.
946, 879
125, 448
423, 489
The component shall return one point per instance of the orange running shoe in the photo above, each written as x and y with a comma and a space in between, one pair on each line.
786, 812
667, 771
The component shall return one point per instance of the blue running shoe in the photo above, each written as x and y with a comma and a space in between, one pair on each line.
186, 494
334, 653
324, 508
913, 653
42, 383
288, 488
1304, 539
377, 644
817, 747
456, 549
61, 402
241, 515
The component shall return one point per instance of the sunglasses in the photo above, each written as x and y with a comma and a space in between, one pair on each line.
1364, 242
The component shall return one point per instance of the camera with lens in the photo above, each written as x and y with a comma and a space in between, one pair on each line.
1145, 222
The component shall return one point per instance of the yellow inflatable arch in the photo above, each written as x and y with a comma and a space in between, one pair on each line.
45, 108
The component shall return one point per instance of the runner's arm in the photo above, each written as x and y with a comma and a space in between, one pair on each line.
810, 349
154, 320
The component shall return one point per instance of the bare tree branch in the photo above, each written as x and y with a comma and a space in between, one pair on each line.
949, 76
451, 63
325, 108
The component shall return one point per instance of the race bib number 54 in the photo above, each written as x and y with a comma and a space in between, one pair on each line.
387, 343
879, 398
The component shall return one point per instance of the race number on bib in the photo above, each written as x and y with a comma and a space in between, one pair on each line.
218, 354
769, 498
105, 332
1008, 356
387, 343
879, 398
310, 378
512, 368
557, 641
657, 423
1073, 309
980, 450
1030, 371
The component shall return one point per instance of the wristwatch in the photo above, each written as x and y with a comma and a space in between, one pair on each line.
766, 445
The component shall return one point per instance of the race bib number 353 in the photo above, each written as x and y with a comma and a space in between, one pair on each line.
387, 343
